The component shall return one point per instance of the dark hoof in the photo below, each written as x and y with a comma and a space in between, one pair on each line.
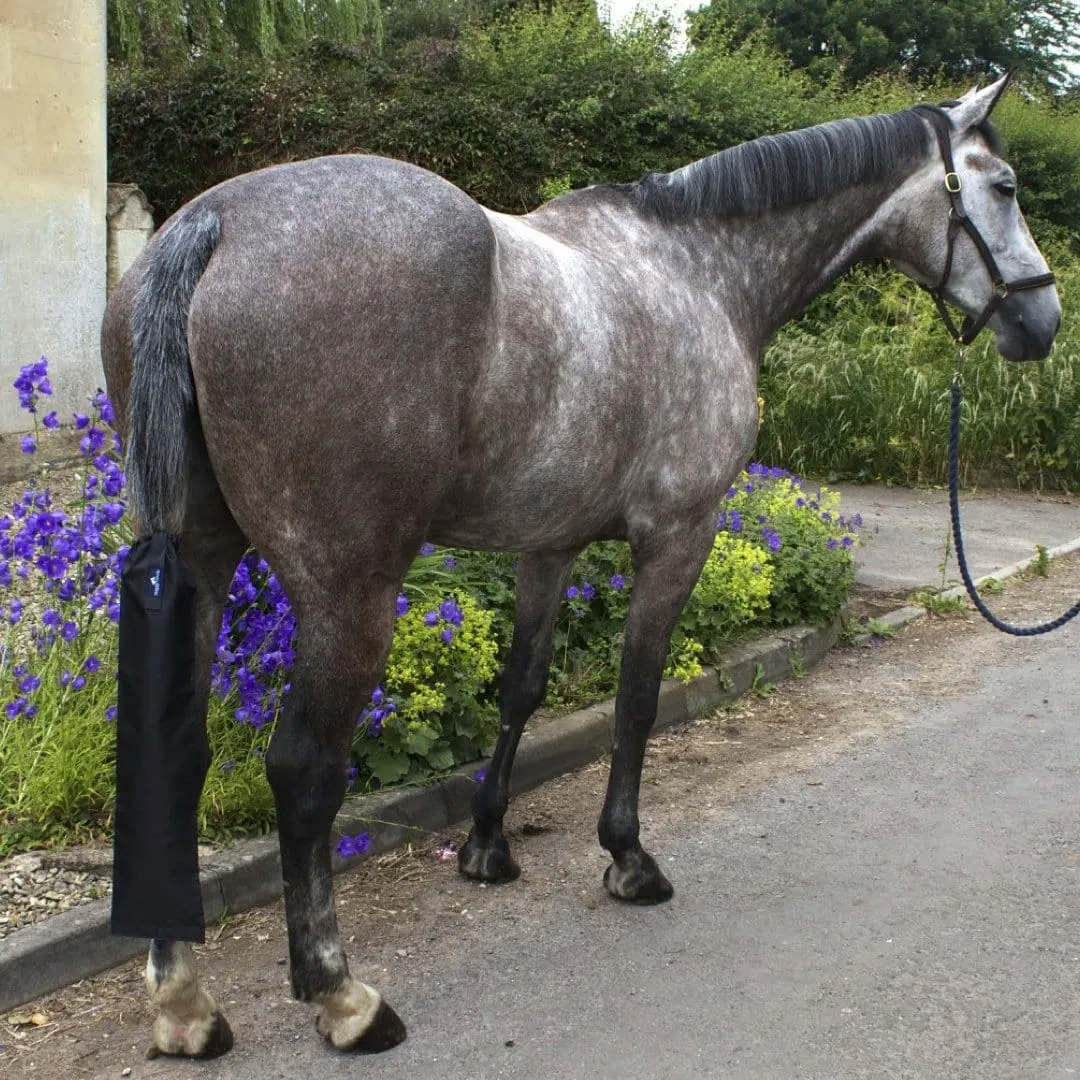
638, 880
384, 1032
219, 1040
492, 862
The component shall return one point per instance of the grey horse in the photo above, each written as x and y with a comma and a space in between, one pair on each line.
337, 359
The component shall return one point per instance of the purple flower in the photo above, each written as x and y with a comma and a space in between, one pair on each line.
351, 775
28, 444
81, 420
110, 714
92, 441
450, 562
573, 592
51, 421
30, 712
617, 582
451, 613
735, 522
78, 682
349, 847
480, 775
447, 635
431, 618
588, 591
402, 606
847, 541
12, 709
832, 544
29, 684
427, 549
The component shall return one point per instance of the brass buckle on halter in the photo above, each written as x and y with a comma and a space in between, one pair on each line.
952, 178
1002, 290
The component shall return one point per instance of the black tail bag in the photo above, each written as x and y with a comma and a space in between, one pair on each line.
162, 753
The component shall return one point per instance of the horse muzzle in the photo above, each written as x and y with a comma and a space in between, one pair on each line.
1025, 324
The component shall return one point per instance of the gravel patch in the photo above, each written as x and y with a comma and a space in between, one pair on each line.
36, 885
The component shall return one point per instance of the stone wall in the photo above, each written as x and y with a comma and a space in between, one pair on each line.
52, 196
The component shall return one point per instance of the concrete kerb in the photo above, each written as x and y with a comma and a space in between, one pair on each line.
77, 944
901, 617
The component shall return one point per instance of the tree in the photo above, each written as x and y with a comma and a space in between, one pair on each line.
163, 30
921, 38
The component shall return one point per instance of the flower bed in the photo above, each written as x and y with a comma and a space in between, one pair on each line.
781, 555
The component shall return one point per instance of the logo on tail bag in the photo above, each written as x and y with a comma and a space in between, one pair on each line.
155, 583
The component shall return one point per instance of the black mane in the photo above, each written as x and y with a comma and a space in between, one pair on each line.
795, 167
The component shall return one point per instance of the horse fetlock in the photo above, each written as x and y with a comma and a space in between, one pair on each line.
356, 1018
488, 860
634, 877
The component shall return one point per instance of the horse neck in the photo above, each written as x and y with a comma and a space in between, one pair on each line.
773, 264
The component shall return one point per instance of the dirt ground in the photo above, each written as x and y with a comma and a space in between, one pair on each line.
403, 914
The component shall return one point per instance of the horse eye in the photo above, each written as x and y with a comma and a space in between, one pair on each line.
1006, 188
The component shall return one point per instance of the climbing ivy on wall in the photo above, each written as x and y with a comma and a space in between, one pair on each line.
141, 31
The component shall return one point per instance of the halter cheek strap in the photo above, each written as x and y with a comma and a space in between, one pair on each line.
960, 222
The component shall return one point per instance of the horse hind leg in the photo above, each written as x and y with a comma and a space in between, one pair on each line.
486, 854
188, 1023
342, 647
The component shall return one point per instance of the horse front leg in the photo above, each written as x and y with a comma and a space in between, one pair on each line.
666, 569
538, 591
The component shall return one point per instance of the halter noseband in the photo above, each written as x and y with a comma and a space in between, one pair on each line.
959, 220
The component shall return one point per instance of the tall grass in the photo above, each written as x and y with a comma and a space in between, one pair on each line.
859, 389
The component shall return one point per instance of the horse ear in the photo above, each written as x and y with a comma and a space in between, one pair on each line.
976, 105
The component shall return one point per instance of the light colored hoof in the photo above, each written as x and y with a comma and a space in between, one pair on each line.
207, 1037
357, 1019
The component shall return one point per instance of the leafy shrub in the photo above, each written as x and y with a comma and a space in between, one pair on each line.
859, 388
436, 710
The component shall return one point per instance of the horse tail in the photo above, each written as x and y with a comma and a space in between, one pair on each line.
161, 404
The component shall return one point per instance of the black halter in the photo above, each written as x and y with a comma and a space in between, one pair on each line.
959, 220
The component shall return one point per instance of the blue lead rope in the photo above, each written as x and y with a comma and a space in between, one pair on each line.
954, 510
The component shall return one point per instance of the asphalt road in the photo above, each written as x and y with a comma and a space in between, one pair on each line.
907, 911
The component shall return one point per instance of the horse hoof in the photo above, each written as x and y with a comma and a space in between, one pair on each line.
201, 1040
638, 881
492, 863
349, 1033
